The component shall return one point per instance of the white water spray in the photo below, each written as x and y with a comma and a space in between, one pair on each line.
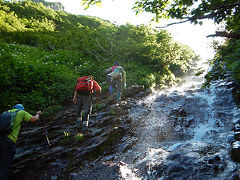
207, 123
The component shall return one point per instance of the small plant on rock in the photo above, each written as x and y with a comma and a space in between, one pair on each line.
79, 137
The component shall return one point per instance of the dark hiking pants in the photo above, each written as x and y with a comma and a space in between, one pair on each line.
84, 108
7, 152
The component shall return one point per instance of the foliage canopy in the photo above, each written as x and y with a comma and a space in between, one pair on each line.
226, 62
43, 51
188, 10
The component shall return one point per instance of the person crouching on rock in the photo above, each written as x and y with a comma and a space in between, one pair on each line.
85, 87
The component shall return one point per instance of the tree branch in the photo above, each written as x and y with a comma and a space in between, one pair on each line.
100, 45
96, 55
211, 15
173, 24
111, 46
225, 34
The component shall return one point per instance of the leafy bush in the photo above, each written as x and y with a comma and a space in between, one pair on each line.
29, 79
43, 52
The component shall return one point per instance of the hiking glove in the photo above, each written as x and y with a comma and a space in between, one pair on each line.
125, 85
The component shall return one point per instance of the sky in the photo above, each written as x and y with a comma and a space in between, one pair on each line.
120, 12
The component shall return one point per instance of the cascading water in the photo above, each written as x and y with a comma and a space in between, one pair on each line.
183, 133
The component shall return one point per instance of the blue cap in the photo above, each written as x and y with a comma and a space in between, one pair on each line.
18, 106
116, 63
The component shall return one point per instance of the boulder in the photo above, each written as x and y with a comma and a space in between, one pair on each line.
235, 151
134, 89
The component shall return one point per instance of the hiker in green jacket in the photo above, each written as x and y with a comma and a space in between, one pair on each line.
8, 142
116, 76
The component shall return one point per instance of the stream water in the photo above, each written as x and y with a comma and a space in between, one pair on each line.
183, 132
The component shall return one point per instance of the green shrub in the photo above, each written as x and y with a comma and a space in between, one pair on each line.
79, 137
43, 52
27, 78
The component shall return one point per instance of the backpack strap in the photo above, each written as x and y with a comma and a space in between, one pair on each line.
113, 68
90, 81
15, 113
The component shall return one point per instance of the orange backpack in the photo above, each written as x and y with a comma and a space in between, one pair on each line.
84, 85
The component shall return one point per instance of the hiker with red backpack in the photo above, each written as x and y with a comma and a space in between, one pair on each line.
116, 76
86, 86
10, 125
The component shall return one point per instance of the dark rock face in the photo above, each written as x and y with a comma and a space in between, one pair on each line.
235, 145
171, 136
135, 89
71, 153
103, 170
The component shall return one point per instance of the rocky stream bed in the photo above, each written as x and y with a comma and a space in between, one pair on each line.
187, 133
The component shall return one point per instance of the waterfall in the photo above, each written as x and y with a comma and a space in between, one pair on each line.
183, 132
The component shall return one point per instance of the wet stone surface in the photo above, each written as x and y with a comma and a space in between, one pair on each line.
167, 136
73, 154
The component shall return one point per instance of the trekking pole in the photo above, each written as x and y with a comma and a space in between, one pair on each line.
45, 132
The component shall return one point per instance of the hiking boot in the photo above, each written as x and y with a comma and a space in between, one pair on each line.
118, 103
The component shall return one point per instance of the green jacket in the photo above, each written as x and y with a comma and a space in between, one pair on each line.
20, 117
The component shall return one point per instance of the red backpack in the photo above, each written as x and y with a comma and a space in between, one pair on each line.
84, 85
